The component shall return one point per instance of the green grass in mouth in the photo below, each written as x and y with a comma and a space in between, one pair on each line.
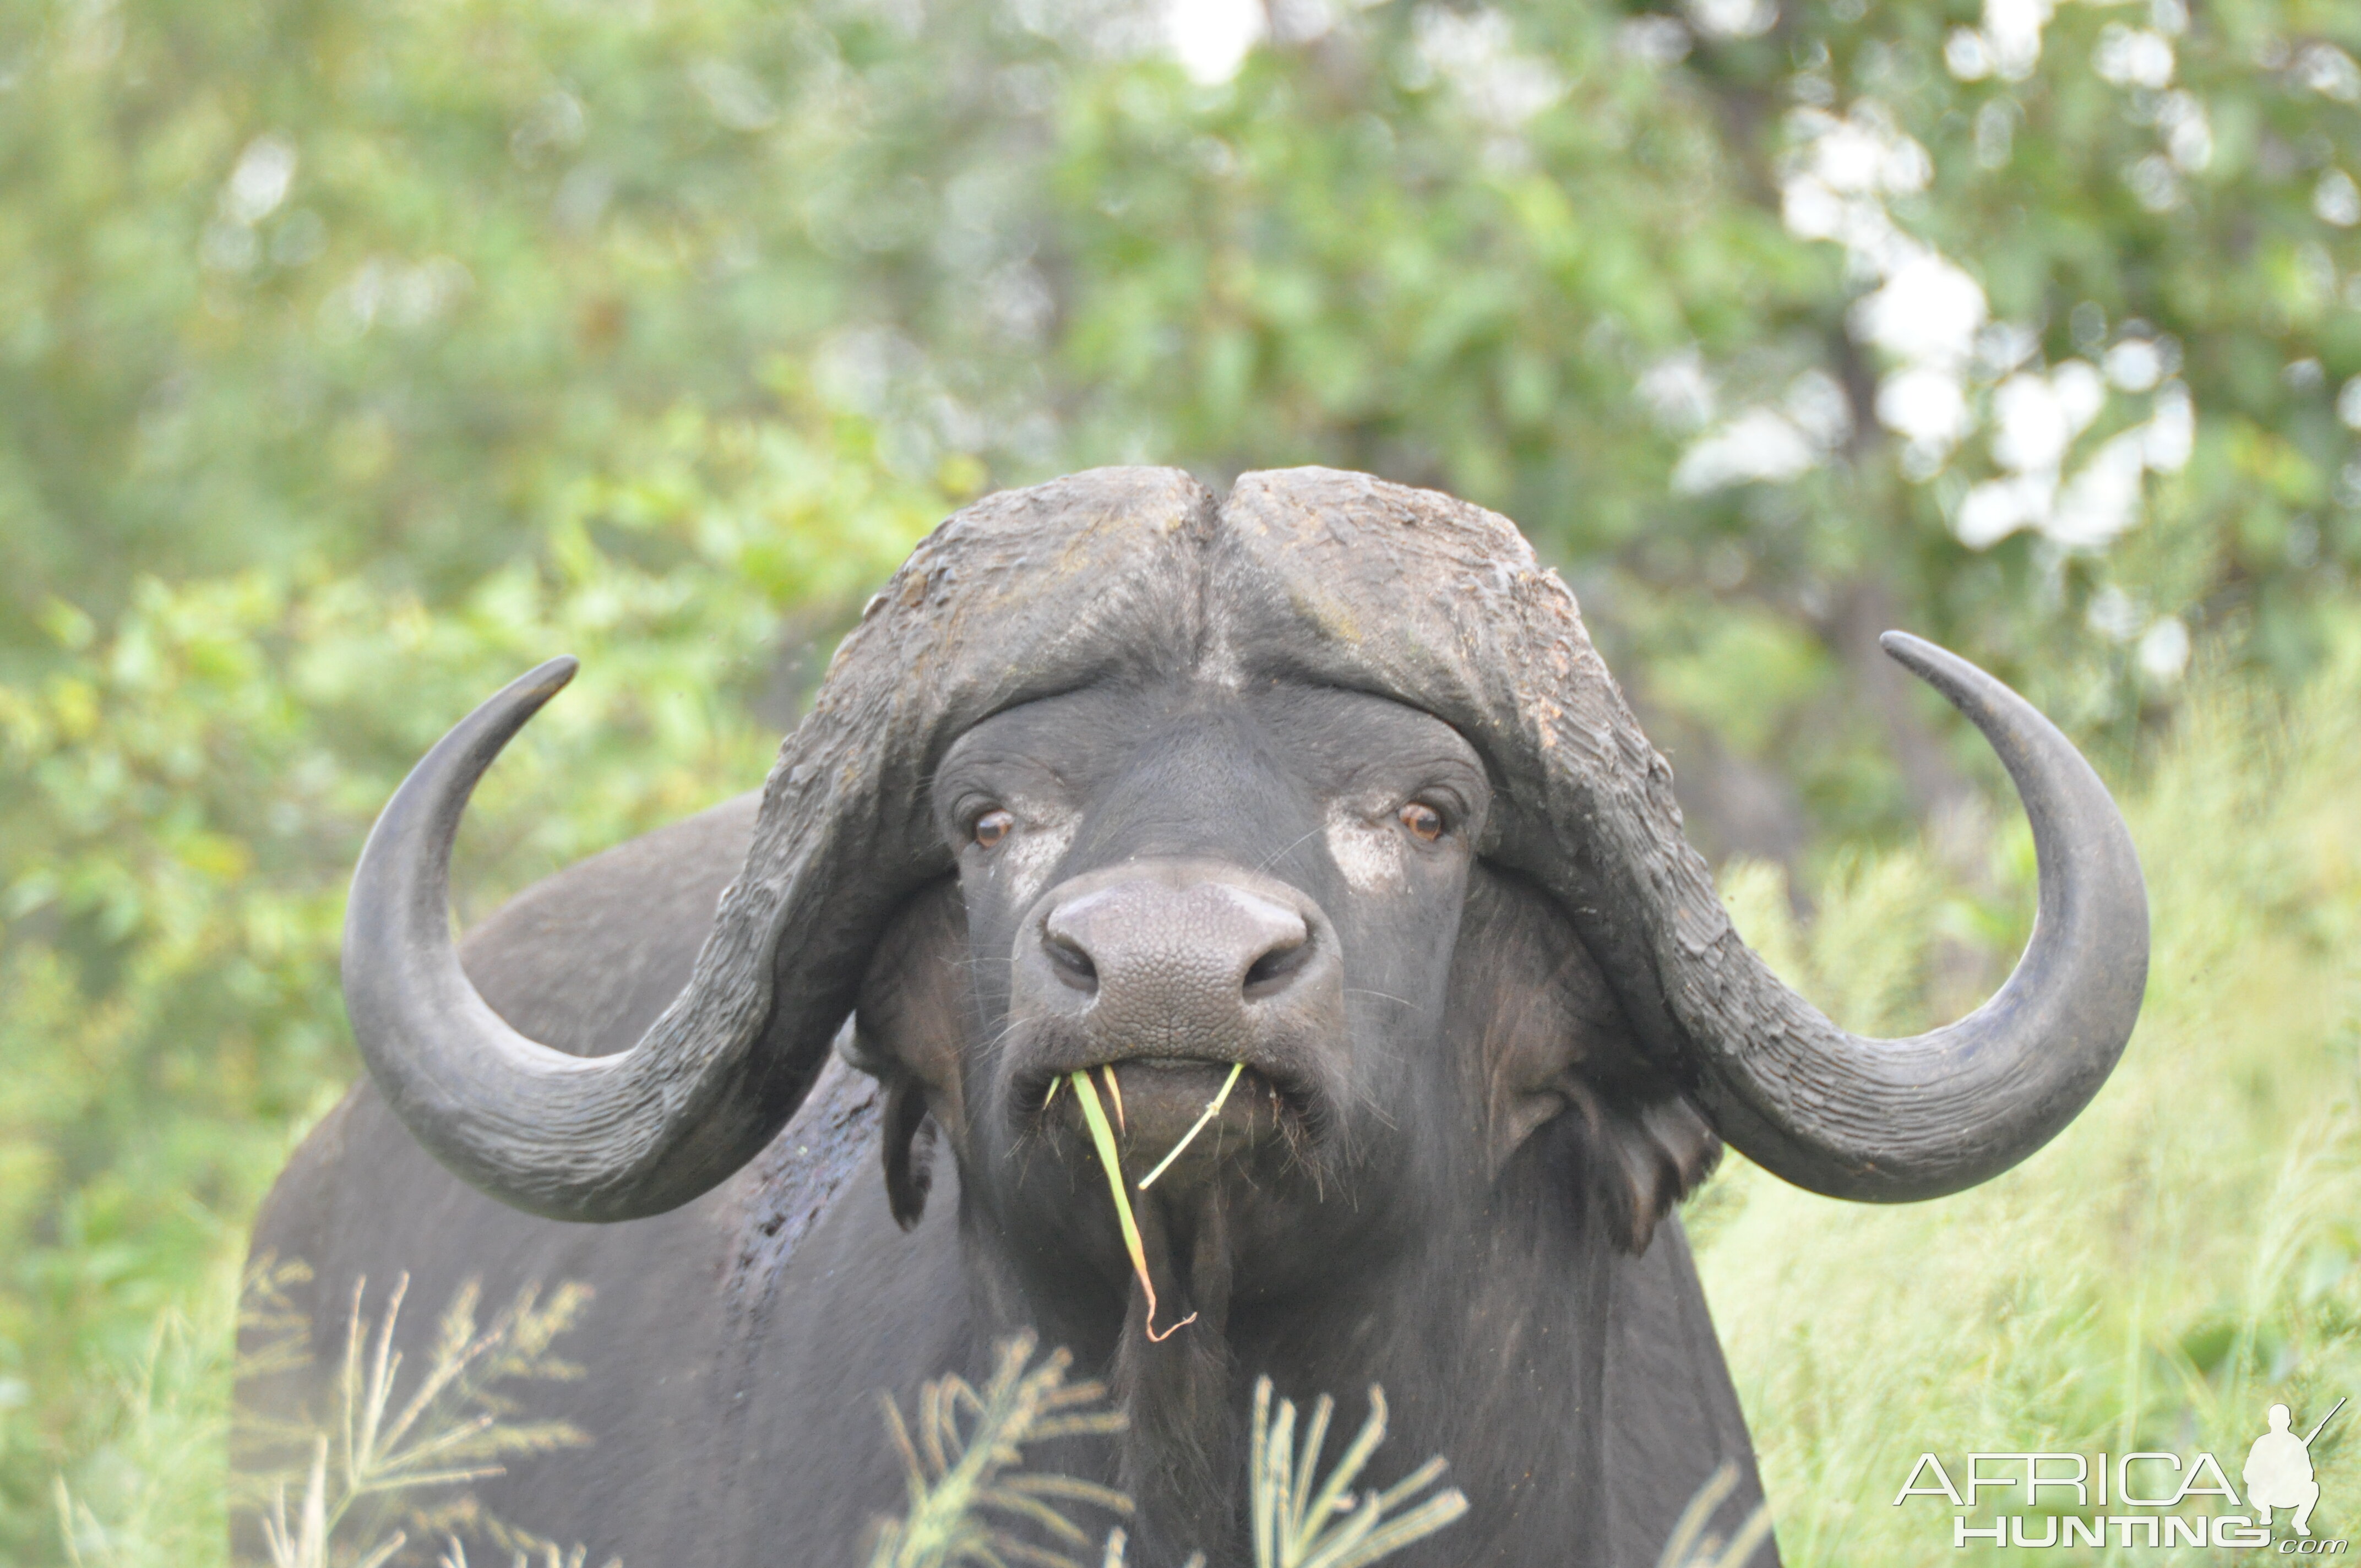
1103, 1136
1213, 1110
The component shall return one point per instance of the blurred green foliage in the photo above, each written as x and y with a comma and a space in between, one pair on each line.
355, 356
2181, 1258
185, 790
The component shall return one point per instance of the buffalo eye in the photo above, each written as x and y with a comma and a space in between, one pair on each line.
992, 828
1423, 821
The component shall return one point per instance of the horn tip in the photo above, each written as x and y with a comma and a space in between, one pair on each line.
1931, 662
525, 696
552, 674
1904, 648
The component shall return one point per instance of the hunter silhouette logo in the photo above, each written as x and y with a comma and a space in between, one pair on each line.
2278, 1471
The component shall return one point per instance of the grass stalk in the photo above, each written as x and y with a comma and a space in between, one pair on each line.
1301, 1520
1102, 1137
1212, 1110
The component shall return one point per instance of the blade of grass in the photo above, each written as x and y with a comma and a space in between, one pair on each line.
1315, 1436
1266, 1507
1212, 1111
1115, 1094
1680, 1547
1103, 1136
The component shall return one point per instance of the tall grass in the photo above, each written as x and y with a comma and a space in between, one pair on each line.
1303, 1520
392, 1457
386, 1465
961, 1466
156, 1494
2179, 1258
961, 1462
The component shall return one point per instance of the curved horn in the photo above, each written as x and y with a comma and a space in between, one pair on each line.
1892, 1121
1025, 593
570, 1137
1441, 605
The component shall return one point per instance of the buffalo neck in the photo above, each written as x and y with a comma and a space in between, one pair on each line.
1485, 1334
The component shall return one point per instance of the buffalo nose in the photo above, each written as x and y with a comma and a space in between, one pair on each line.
1159, 962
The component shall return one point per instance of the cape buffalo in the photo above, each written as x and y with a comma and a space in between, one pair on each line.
1324, 779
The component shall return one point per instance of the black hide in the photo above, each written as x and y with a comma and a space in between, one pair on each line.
1456, 1217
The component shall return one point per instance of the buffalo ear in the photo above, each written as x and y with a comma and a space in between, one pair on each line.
909, 1152
1556, 1044
908, 1033
1647, 1155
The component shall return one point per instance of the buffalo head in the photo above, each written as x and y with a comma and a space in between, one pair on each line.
1325, 780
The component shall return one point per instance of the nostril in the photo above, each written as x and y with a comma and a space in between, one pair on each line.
1073, 964
1271, 972
1162, 948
